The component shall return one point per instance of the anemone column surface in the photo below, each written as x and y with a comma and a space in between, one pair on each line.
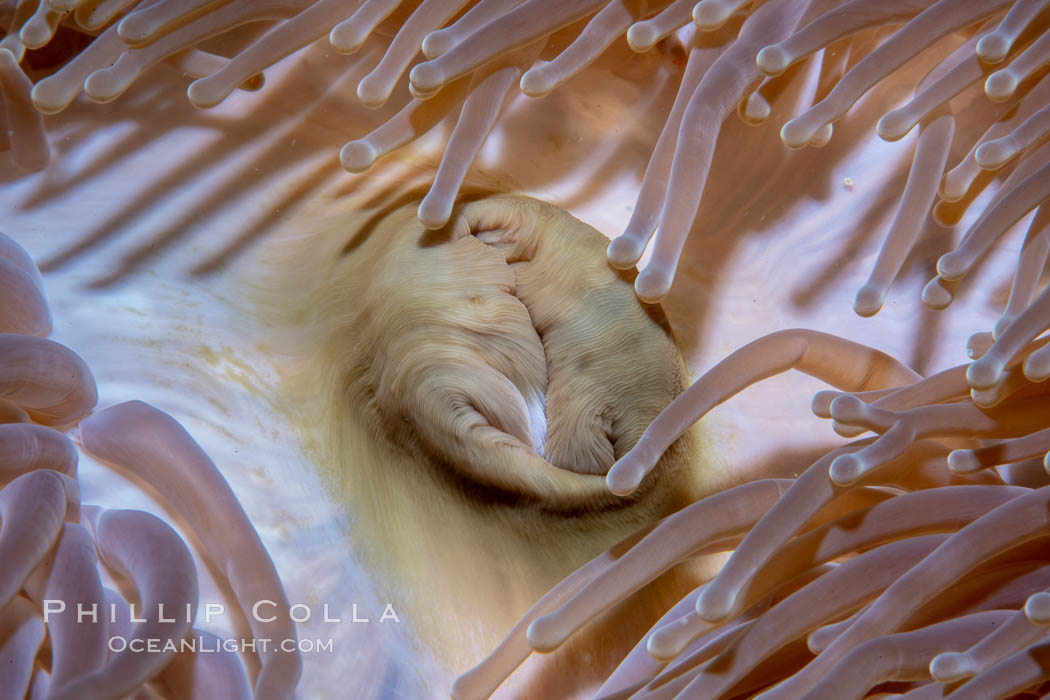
338, 368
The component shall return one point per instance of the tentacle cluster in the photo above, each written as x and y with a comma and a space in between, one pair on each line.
469, 56
897, 558
57, 616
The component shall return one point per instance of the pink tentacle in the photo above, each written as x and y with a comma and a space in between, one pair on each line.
29, 146
32, 508
47, 380
21, 635
71, 598
839, 362
25, 309
24, 448
149, 443
153, 556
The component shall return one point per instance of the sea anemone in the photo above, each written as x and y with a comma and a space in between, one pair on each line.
908, 562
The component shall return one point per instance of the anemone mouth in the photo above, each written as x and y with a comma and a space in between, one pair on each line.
492, 226
535, 403
508, 349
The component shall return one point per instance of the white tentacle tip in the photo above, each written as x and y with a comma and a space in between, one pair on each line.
755, 109
434, 211
666, 642
538, 82
988, 398
709, 15
34, 35
953, 266
357, 156
207, 92
847, 431
426, 78
106, 85
373, 91
642, 36
868, 300
622, 480
542, 635
847, 470
1037, 609
1037, 366
821, 638
136, 28
935, 295
979, 344
653, 284
1000, 85
994, 154
963, 462
773, 60
50, 96
436, 43
820, 405
951, 666
993, 47
797, 133
625, 252
822, 136
895, 125
953, 187
985, 373
347, 38
714, 604
848, 409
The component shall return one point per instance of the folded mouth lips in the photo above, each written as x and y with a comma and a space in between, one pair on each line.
536, 403
505, 349
589, 451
